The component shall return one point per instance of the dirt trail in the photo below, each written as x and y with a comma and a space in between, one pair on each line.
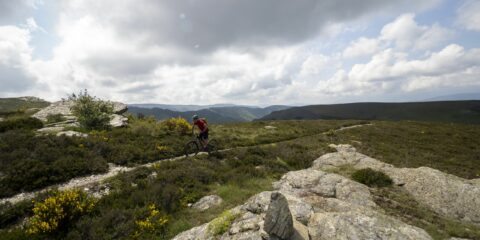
84, 182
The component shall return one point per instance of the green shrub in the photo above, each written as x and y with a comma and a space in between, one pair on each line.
92, 113
54, 118
372, 178
20, 123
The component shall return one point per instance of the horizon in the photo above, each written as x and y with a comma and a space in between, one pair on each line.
240, 52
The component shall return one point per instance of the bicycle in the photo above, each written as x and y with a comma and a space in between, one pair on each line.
193, 147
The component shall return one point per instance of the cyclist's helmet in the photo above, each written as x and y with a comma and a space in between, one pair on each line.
194, 117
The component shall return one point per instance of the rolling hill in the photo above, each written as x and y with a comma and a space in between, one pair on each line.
222, 114
12, 105
444, 111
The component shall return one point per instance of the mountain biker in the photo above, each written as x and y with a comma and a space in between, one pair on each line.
202, 125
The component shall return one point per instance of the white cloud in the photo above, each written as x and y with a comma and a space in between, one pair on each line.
362, 47
391, 70
406, 33
15, 57
187, 52
468, 15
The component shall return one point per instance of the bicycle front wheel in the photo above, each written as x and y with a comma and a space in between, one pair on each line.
191, 149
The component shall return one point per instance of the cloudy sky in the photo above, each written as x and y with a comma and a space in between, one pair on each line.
256, 52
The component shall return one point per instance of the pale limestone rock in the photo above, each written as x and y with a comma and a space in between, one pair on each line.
51, 129
118, 120
197, 233
361, 225
207, 202
71, 134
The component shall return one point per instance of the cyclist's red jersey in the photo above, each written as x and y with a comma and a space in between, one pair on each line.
201, 124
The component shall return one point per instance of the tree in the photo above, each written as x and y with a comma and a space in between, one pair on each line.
92, 113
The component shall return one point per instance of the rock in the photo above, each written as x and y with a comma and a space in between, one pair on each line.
60, 107
310, 182
1, 119
207, 202
279, 221
270, 127
71, 134
258, 203
361, 225
446, 194
50, 129
118, 120
249, 222
119, 108
197, 233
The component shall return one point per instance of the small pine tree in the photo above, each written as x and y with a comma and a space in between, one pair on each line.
92, 113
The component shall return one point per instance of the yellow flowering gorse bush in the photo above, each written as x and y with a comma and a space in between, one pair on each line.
178, 125
155, 221
57, 210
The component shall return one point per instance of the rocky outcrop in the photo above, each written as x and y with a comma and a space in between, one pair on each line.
446, 194
63, 108
321, 206
207, 202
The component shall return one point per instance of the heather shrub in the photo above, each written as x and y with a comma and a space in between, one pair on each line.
372, 178
20, 123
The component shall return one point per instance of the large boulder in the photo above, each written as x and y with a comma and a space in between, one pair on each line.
446, 194
207, 202
60, 107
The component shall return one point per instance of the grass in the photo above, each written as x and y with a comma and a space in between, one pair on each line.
16, 107
451, 148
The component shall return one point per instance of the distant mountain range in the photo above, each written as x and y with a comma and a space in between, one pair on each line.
456, 97
181, 108
213, 113
442, 111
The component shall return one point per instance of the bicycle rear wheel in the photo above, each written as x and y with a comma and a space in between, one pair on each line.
191, 149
